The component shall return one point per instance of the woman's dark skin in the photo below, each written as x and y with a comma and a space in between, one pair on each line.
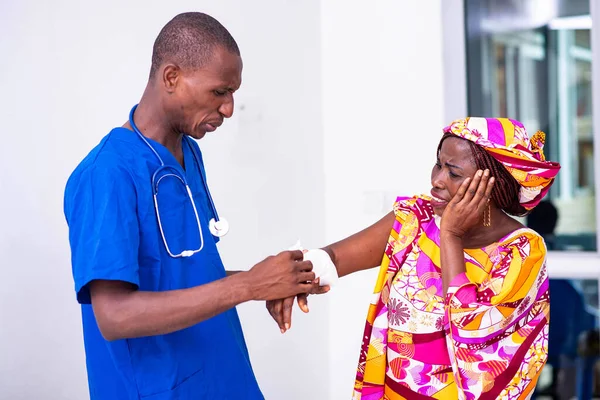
460, 194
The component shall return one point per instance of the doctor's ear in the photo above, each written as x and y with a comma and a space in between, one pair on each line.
170, 77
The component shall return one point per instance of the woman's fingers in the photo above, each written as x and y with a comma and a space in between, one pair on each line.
275, 309
287, 312
303, 302
472, 189
481, 188
460, 193
490, 187
485, 199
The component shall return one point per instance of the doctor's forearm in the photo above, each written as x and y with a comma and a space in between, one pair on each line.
122, 312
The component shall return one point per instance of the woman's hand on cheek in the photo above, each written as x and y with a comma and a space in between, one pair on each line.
466, 208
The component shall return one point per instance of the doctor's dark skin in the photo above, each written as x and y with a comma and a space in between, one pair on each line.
193, 101
196, 102
460, 196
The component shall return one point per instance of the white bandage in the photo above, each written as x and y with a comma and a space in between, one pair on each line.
323, 267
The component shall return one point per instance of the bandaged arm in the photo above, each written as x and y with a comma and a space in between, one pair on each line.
361, 251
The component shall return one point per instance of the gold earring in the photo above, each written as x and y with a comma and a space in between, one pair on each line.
487, 215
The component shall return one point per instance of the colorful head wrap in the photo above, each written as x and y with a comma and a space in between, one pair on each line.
506, 140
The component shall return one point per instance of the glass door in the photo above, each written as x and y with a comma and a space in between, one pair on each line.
535, 65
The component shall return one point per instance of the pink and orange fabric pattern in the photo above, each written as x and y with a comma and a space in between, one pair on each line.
507, 141
488, 337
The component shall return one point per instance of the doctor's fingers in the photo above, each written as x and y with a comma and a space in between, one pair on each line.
306, 277
295, 255
304, 288
303, 266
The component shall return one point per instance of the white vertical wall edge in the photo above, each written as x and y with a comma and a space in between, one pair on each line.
454, 57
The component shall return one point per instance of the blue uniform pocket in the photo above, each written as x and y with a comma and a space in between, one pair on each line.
205, 361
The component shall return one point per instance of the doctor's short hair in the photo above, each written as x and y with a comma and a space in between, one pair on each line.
189, 40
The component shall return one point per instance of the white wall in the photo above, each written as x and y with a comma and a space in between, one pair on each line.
331, 90
455, 60
382, 118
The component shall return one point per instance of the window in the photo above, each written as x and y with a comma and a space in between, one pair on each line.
541, 75
531, 60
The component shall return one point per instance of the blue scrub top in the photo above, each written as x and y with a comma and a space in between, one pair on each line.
114, 235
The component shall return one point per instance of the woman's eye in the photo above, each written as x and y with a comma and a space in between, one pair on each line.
453, 175
220, 93
438, 165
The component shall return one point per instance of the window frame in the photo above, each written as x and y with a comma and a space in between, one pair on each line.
561, 264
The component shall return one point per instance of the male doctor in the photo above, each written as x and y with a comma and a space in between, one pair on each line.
158, 307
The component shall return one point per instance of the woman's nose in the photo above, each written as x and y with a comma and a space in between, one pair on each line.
437, 180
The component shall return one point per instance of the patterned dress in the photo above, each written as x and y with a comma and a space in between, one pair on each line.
488, 339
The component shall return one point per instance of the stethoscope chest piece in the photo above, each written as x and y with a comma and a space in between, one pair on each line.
218, 228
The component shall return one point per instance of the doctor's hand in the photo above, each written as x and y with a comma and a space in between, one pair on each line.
281, 276
281, 310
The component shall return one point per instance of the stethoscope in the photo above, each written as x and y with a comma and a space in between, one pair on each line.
217, 226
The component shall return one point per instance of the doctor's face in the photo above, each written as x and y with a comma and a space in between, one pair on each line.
201, 99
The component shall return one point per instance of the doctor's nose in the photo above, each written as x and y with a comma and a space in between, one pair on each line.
226, 108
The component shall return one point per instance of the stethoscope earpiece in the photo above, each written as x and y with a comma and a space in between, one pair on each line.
218, 228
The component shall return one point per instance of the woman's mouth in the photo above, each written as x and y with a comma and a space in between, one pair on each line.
436, 202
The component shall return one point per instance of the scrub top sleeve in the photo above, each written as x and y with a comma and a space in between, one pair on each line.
103, 228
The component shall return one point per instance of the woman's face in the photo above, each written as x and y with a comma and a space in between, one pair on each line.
454, 164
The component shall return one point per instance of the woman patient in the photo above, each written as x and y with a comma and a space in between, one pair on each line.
461, 307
